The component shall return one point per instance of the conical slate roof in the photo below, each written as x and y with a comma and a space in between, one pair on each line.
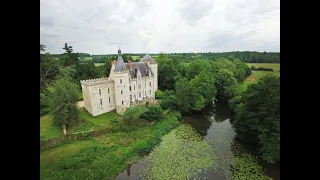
120, 62
146, 57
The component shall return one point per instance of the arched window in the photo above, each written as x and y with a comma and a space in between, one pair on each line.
121, 92
122, 102
120, 81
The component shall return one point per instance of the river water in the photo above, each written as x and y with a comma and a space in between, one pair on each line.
214, 128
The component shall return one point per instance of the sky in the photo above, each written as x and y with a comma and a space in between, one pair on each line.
154, 26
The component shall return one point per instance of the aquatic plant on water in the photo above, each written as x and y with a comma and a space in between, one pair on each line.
181, 155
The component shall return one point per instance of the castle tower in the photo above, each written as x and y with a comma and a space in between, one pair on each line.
121, 85
154, 68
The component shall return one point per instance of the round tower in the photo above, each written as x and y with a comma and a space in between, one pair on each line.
121, 85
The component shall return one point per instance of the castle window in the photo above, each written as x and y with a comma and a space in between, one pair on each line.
100, 92
139, 86
120, 81
108, 90
150, 84
121, 92
101, 102
145, 93
109, 99
149, 92
130, 97
130, 88
145, 85
134, 87
122, 102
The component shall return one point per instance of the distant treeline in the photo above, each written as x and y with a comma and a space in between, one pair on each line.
246, 56
79, 55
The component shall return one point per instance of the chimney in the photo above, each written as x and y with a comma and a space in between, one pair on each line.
130, 64
113, 63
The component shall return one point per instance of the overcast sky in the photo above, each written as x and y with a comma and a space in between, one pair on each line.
153, 26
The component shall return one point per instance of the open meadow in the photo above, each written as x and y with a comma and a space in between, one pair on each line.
274, 66
256, 75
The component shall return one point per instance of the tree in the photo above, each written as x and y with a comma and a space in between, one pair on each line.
86, 71
225, 84
49, 68
63, 97
188, 99
242, 70
70, 57
167, 75
168, 100
203, 84
257, 119
195, 67
153, 113
133, 113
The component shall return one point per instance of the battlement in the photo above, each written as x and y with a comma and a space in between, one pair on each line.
121, 72
90, 82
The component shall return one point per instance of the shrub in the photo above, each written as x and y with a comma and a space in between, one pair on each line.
153, 113
159, 94
134, 113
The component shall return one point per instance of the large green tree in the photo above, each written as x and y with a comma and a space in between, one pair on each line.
225, 83
70, 58
188, 97
203, 84
62, 100
167, 73
257, 117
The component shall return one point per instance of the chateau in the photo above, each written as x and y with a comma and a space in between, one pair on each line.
128, 84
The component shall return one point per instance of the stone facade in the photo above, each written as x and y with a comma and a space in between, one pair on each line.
128, 84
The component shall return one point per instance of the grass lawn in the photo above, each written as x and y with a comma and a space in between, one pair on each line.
98, 64
101, 121
255, 76
47, 129
274, 66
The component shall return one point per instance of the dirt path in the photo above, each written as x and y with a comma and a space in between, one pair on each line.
250, 79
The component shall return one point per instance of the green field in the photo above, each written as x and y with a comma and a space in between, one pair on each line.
49, 131
255, 76
274, 66
98, 64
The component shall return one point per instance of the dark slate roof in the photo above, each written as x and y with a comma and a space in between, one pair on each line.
147, 56
141, 66
120, 63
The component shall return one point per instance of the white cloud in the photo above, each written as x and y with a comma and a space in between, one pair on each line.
99, 27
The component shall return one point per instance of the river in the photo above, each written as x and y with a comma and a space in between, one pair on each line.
173, 154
